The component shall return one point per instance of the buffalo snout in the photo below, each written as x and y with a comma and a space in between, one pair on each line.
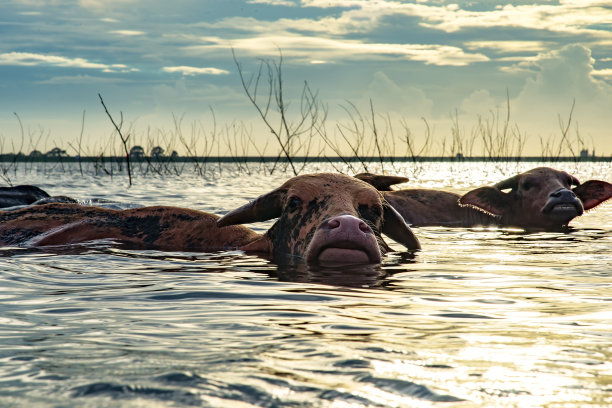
344, 239
563, 203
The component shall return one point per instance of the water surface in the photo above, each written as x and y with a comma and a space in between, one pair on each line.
478, 318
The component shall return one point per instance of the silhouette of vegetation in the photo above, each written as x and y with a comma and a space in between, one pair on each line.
300, 133
137, 152
124, 139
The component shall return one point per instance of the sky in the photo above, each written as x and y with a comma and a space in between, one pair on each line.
449, 67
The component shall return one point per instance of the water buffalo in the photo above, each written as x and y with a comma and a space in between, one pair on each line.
20, 195
12, 198
541, 198
321, 218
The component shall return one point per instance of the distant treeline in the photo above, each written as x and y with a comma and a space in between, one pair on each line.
21, 158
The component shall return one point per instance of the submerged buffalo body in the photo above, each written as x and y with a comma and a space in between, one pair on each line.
542, 198
321, 218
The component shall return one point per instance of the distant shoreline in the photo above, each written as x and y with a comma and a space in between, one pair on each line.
9, 158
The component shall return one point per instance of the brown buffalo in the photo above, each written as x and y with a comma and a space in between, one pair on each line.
321, 218
541, 198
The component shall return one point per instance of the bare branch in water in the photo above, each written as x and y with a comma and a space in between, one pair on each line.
124, 140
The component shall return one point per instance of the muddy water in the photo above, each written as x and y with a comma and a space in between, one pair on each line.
478, 318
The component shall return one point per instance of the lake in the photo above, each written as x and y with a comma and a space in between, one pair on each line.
477, 318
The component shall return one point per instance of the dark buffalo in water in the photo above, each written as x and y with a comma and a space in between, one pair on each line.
12, 198
539, 199
20, 195
321, 218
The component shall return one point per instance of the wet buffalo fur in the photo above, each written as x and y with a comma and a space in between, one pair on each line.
302, 205
539, 199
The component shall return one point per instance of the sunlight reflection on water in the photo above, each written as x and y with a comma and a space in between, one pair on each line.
478, 318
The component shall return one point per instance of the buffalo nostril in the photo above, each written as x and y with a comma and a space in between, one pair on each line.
567, 194
347, 223
563, 193
333, 223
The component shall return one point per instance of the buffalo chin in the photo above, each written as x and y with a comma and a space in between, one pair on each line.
344, 256
564, 212
345, 253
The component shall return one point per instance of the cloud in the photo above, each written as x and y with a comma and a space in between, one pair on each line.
308, 49
31, 59
603, 72
357, 21
569, 17
128, 33
81, 80
190, 71
180, 95
95, 4
331, 31
32, 3
479, 102
586, 2
563, 72
387, 96
558, 78
509, 46
287, 3
103, 4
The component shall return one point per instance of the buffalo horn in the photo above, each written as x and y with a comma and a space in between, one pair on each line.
575, 181
263, 208
511, 183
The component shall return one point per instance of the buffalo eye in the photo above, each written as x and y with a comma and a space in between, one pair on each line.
527, 185
294, 203
369, 213
363, 208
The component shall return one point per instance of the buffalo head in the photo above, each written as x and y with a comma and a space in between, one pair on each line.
324, 218
541, 198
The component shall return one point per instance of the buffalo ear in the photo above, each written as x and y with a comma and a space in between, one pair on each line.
396, 228
381, 182
490, 200
263, 208
593, 192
